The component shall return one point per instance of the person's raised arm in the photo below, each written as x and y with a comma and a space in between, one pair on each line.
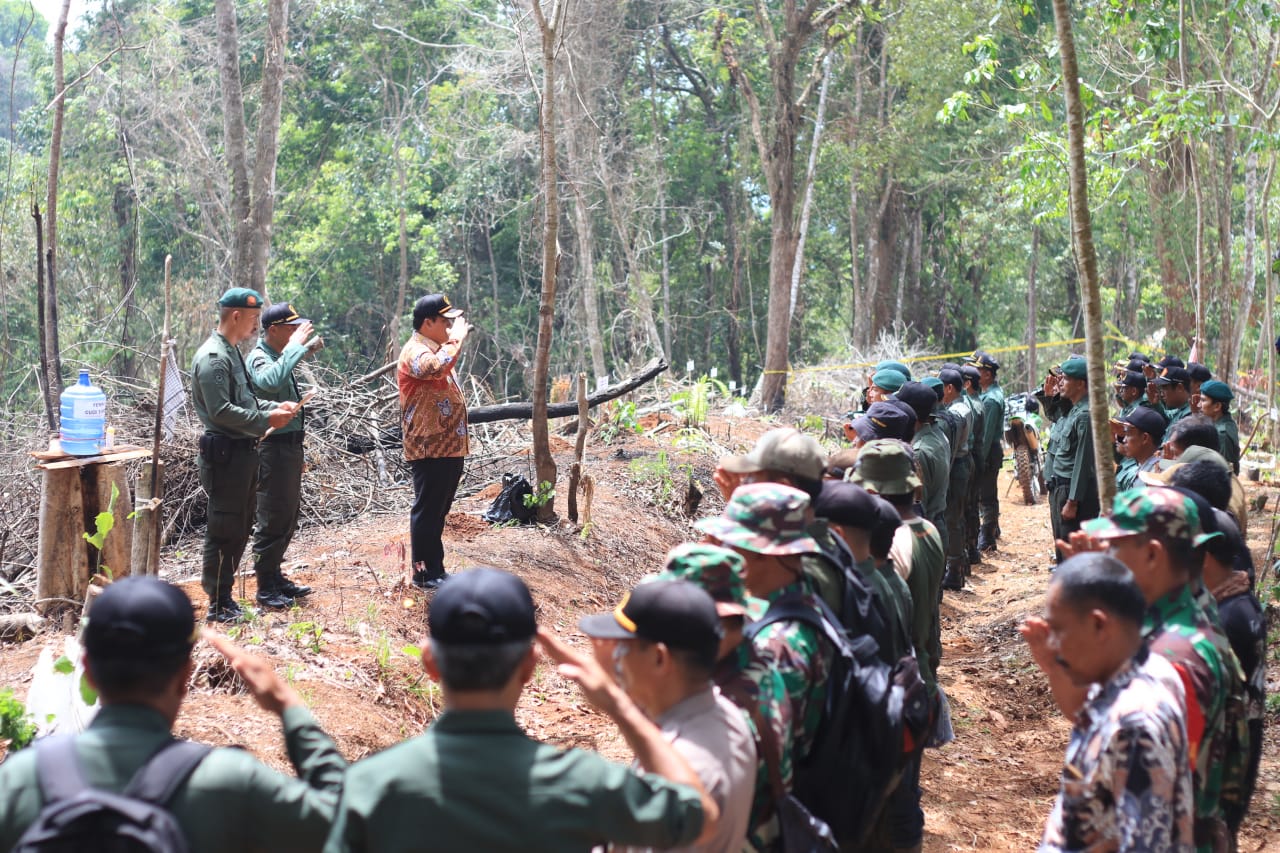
652, 749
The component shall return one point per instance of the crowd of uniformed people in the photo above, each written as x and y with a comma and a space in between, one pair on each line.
719, 669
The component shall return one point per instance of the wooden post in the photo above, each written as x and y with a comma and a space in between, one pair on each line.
575, 471
116, 553
145, 556
61, 552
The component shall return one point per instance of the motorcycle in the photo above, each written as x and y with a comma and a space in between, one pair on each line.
1022, 433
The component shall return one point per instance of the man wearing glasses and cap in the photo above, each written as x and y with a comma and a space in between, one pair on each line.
286, 339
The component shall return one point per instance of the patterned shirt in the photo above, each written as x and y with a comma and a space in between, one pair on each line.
1125, 780
747, 678
433, 413
1182, 631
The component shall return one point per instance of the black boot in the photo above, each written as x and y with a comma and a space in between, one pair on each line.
292, 589
270, 595
225, 610
974, 555
987, 538
427, 583
954, 577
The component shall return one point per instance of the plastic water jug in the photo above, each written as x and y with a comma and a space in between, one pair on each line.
84, 418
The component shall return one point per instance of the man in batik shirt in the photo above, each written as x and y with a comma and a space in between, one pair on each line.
1126, 782
1156, 532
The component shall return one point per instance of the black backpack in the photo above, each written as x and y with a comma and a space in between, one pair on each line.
79, 819
875, 718
861, 611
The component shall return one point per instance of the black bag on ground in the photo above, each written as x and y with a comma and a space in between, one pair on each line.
875, 717
509, 504
79, 819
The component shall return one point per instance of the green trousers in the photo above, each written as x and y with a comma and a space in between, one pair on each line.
279, 499
231, 481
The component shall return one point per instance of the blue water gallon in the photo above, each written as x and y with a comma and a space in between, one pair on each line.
84, 418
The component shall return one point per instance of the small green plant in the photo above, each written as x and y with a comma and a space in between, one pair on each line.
693, 404
544, 494
309, 635
16, 725
619, 418
104, 522
813, 423
291, 672
65, 666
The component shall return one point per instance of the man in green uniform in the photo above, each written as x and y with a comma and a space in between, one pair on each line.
932, 451
1073, 491
1215, 404
286, 338
234, 420
474, 781
973, 520
992, 398
1143, 433
961, 473
1175, 392
1131, 391
138, 642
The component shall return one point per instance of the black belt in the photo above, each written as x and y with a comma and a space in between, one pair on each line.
237, 443
294, 437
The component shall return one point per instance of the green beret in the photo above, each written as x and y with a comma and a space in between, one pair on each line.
894, 365
241, 297
1215, 390
932, 381
889, 380
1075, 367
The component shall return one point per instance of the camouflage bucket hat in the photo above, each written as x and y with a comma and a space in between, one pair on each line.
1156, 511
767, 518
719, 571
887, 467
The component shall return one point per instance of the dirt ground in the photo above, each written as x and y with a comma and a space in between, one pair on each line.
348, 649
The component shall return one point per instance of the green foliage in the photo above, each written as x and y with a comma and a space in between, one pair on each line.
694, 403
308, 635
104, 522
65, 666
619, 419
542, 495
16, 725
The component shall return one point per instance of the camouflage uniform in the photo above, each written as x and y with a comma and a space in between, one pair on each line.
769, 518
743, 675
1180, 628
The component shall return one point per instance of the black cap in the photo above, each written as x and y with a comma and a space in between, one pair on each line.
1173, 376
886, 419
1149, 421
984, 359
1132, 379
281, 314
1136, 365
482, 607
970, 373
140, 617
920, 398
1198, 372
678, 613
885, 526
1137, 356
1171, 361
431, 306
952, 376
846, 503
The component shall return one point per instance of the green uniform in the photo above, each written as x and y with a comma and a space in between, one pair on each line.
1229, 441
978, 455
475, 782
933, 465
892, 591
958, 484
1175, 415
231, 802
924, 582
280, 458
1072, 475
233, 421
993, 457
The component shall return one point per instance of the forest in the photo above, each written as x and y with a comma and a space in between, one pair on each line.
781, 182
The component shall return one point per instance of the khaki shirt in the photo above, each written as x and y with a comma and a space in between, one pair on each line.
474, 782
231, 802
713, 736
222, 393
433, 413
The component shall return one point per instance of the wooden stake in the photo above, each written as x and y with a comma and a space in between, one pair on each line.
575, 471
145, 558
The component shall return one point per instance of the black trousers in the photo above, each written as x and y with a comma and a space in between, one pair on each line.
989, 497
435, 482
958, 506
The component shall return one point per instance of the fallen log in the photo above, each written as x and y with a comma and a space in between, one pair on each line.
18, 626
524, 411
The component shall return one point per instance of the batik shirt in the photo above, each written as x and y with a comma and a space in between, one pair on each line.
1181, 630
433, 414
745, 676
1126, 783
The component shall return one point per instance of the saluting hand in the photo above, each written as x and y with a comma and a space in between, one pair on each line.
302, 333
460, 329
268, 690
726, 481
1036, 632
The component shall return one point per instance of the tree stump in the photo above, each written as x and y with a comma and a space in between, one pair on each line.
116, 555
61, 552
145, 558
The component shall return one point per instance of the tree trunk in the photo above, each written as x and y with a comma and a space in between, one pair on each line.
1082, 232
116, 556
51, 413
235, 143
1236, 321
587, 282
267, 142
810, 172
51, 206
544, 463
145, 556
124, 205
1033, 374
61, 555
